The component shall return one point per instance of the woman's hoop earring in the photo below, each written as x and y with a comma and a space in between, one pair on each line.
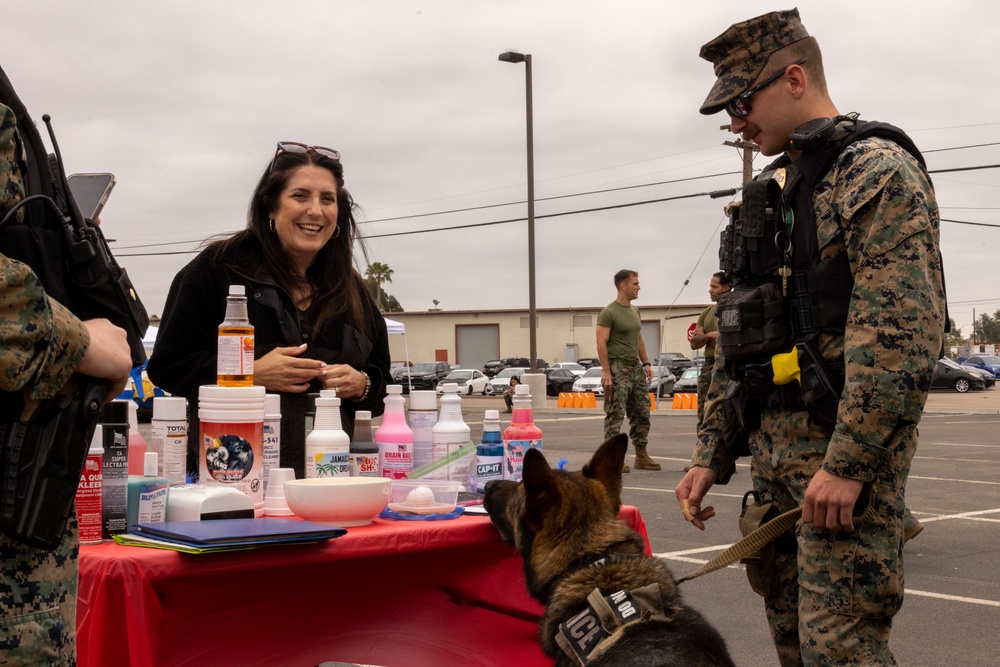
271, 220
336, 231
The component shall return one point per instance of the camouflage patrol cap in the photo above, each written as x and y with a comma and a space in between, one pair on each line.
740, 53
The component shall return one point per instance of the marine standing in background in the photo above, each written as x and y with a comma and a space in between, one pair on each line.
41, 345
705, 333
865, 308
626, 371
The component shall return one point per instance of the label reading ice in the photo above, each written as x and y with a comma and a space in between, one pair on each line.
514, 456
333, 464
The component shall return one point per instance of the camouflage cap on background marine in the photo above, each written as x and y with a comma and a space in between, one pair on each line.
740, 53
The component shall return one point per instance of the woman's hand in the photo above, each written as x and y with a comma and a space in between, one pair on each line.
349, 382
282, 370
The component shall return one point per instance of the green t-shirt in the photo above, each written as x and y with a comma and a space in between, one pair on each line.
708, 324
625, 325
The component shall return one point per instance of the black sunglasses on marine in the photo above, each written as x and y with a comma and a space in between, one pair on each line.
739, 107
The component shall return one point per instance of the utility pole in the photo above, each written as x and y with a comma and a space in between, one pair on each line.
748, 148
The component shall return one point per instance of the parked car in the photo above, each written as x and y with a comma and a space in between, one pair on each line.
558, 380
571, 366
492, 367
397, 367
675, 361
988, 377
469, 381
949, 375
687, 383
988, 362
501, 380
523, 362
590, 381
663, 381
589, 362
424, 375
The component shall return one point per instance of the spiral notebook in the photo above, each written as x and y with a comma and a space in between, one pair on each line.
239, 532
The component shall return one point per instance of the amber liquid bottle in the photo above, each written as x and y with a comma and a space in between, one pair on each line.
235, 356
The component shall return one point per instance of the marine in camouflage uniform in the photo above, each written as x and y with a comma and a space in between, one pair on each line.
42, 343
625, 377
837, 593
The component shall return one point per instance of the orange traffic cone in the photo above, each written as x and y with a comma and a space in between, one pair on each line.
590, 401
652, 402
694, 401
678, 402
561, 403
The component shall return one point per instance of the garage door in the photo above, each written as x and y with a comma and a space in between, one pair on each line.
475, 344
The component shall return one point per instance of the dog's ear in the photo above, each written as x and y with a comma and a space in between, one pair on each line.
541, 492
606, 465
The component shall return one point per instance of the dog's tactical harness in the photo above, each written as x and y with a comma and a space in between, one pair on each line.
590, 633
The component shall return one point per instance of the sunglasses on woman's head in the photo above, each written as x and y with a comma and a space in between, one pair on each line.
740, 106
296, 147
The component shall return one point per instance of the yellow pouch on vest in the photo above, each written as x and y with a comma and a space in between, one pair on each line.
786, 366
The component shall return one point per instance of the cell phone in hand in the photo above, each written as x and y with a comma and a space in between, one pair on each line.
91, 192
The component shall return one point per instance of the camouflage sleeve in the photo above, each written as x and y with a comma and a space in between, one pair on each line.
42, 341
889, 219
710, 451
11, 188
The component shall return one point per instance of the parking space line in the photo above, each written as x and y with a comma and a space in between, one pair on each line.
948, 458
959, 444
953, 598
951, 479
964, 515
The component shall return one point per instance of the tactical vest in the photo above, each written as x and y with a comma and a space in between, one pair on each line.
783, 292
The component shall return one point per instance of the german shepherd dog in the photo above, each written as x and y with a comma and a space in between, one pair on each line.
588, 568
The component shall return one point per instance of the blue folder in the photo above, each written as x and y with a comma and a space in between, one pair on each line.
239, 532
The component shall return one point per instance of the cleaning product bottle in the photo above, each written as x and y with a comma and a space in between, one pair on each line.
170, 436
421, 416
364, 451
235, 355
521, 435
137, 445
88, 494
327, 446
449, 434
147, 494
272, 435
394, 438
489, 453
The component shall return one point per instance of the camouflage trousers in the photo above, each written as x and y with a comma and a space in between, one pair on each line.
704, 380
38, 602
629, 396
837, 595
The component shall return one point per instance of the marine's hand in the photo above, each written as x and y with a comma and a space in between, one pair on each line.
606, 382
107, 356
830, 501
283, 370
691, 492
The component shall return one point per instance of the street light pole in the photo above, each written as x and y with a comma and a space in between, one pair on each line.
515, 57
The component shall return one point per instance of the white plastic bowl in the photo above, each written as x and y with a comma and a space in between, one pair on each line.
341, 501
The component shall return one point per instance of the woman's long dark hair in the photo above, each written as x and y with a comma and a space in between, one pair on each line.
337, 287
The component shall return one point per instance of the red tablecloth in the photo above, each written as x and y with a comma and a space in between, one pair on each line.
394, 593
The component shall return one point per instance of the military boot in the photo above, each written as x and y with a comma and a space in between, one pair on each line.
642, 460
625, 468
911, 527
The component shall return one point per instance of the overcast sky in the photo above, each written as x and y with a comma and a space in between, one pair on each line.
184, 100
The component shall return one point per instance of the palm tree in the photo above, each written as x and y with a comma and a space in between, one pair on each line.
379, 273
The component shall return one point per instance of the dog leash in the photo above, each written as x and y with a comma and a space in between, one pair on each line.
756, 540
750, 544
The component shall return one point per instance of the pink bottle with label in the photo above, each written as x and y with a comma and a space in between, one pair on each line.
394, 438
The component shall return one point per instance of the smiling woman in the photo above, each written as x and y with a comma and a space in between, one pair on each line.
315, 324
